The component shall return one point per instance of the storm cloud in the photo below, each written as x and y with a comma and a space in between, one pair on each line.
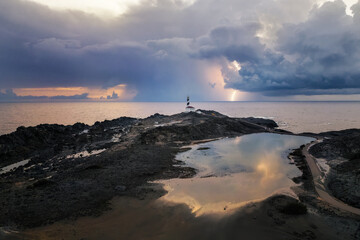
163, 48
9, 95
321, 53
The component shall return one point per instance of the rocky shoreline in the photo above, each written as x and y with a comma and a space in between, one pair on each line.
340, 152
74, 171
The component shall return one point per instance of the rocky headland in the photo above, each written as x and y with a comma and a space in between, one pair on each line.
54, 172
75, 170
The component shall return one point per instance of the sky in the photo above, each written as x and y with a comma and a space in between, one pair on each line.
164, 50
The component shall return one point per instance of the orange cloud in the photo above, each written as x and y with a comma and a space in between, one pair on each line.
120, 91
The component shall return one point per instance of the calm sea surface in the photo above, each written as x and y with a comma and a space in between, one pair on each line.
293, 116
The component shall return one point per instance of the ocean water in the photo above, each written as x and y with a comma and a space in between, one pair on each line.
293, 116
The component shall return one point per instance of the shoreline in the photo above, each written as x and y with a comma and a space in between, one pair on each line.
137, 139
141, 153
320, 187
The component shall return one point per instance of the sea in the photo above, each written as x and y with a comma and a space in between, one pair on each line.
293, 116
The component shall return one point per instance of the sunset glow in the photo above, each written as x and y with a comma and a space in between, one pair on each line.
64, 91
233, 96
168, 49
119, 92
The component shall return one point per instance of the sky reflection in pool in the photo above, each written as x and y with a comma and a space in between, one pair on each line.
234, 171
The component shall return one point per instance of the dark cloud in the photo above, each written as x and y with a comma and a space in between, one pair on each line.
235, 43
212, 85
159, 47
113, 96
322, 53
9, 96
46, 48
73, 97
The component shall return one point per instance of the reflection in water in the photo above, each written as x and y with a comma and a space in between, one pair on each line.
235, 171
132, 218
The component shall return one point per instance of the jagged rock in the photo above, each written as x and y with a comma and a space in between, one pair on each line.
341, 149
75, 170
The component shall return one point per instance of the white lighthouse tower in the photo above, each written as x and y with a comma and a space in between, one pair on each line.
188, 107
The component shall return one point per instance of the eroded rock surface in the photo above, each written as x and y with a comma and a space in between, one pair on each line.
341, 150
74, 170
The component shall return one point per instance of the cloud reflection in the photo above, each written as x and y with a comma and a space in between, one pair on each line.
234, 171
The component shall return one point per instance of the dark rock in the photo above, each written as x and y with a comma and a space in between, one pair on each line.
262, 121
120, 188
42, 183
294, 208
93, 167
203, 148
344, 178
56, 186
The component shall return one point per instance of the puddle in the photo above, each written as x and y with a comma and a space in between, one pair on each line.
13, 166
166, 124
243, 168
234, 171
116, 137
323, 165
86, 153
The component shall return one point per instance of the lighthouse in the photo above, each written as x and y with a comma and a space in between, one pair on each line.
188, 107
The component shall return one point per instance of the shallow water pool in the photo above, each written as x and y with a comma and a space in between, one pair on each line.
235, 171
